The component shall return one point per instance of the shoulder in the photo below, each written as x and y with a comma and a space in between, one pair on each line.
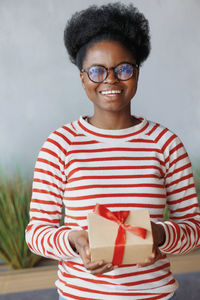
65, 134
60, 139
164, 137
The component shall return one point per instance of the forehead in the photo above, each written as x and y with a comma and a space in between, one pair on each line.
107, 53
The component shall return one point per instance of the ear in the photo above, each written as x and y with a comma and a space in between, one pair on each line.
82, 80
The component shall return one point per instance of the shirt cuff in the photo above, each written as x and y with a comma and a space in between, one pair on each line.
167, 244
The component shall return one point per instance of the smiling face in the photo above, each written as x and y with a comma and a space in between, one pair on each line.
111, 95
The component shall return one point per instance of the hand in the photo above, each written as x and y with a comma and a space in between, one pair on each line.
158, 240
78, 240
156, 255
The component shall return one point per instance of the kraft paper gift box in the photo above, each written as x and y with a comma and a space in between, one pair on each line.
102, 235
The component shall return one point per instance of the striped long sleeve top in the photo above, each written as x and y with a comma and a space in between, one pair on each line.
144, 166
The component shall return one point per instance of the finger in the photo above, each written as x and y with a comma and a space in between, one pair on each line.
86, 260
148, 261
156, 254
83, 249
104, 269
142, 265
145, 264
95, 265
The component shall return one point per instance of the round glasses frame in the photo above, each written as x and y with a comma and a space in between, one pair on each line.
134, 66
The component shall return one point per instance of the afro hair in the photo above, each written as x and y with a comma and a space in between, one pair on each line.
113, 21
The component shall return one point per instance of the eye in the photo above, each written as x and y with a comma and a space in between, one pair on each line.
124, 71
97, 73
125, 68
96, 69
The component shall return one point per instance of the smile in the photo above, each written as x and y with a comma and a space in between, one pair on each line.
112, 92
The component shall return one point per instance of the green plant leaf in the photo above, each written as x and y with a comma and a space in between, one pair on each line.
15, 195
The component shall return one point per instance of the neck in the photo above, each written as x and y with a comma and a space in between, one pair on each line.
113, 121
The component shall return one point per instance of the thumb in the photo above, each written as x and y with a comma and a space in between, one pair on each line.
82, 246
87, 251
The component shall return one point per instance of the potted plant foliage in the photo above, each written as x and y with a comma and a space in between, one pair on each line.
15, 194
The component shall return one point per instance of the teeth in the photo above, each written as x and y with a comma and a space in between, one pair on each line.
111, 92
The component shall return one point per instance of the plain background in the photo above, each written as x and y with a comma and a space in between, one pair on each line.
40, 90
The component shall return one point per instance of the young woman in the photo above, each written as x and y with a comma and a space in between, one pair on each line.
113, 158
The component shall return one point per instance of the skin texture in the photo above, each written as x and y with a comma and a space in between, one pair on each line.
79, 242
110, 112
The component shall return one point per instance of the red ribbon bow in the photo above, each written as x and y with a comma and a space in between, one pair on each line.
119, 217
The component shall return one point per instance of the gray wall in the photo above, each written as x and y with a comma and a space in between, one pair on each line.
40, 89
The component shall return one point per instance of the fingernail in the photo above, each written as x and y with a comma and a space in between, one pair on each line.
101, 263
87, 252
109, 266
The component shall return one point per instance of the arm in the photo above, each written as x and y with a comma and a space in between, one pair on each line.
43, 234
182, 232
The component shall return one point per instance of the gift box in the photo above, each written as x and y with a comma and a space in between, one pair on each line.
120, 241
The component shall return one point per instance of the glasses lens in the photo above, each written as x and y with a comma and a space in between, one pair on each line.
124, 71
97, 73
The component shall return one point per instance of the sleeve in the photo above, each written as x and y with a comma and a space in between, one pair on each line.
43, 235
183, 229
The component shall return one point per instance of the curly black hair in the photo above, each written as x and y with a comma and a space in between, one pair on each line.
113, 21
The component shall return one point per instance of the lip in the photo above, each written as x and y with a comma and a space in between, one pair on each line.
110, 87
111, 97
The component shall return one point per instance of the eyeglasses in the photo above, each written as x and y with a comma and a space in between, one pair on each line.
123, 71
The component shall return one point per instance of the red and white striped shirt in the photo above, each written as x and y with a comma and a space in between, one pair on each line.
144, 166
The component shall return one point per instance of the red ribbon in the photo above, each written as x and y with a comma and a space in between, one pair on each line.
119, 217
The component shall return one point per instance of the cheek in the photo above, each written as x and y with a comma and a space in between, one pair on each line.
90, 88
132, 87
91, 93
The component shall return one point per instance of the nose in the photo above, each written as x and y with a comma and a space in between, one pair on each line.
111, 78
